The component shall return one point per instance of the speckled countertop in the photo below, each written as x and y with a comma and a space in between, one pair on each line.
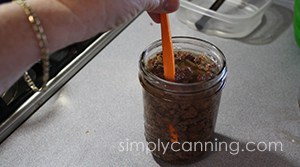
100, 110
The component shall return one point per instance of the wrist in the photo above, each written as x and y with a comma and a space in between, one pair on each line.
61, 26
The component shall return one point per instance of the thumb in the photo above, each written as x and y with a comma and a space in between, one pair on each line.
155, 7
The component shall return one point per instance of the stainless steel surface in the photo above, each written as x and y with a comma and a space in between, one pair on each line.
10, 95
35, 101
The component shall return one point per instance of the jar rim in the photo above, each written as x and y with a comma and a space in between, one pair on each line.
176, 39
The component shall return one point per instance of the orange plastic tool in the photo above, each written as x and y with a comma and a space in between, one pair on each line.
167, 46
168, 62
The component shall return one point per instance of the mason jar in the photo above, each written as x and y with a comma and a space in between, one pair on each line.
184, 111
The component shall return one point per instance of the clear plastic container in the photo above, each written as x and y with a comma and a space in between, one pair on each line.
232, 19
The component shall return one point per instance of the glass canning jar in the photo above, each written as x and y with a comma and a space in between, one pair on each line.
187, 111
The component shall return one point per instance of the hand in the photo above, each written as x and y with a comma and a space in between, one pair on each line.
92, 13
65, 22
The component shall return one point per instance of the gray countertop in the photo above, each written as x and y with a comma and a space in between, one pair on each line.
99, 112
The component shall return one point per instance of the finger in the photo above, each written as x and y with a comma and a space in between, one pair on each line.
165, 6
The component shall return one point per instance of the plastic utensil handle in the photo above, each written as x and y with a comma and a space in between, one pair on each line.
167, 47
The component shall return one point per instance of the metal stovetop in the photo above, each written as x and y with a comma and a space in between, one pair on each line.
19, 102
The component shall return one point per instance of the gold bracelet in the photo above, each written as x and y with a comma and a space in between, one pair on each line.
42, 42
